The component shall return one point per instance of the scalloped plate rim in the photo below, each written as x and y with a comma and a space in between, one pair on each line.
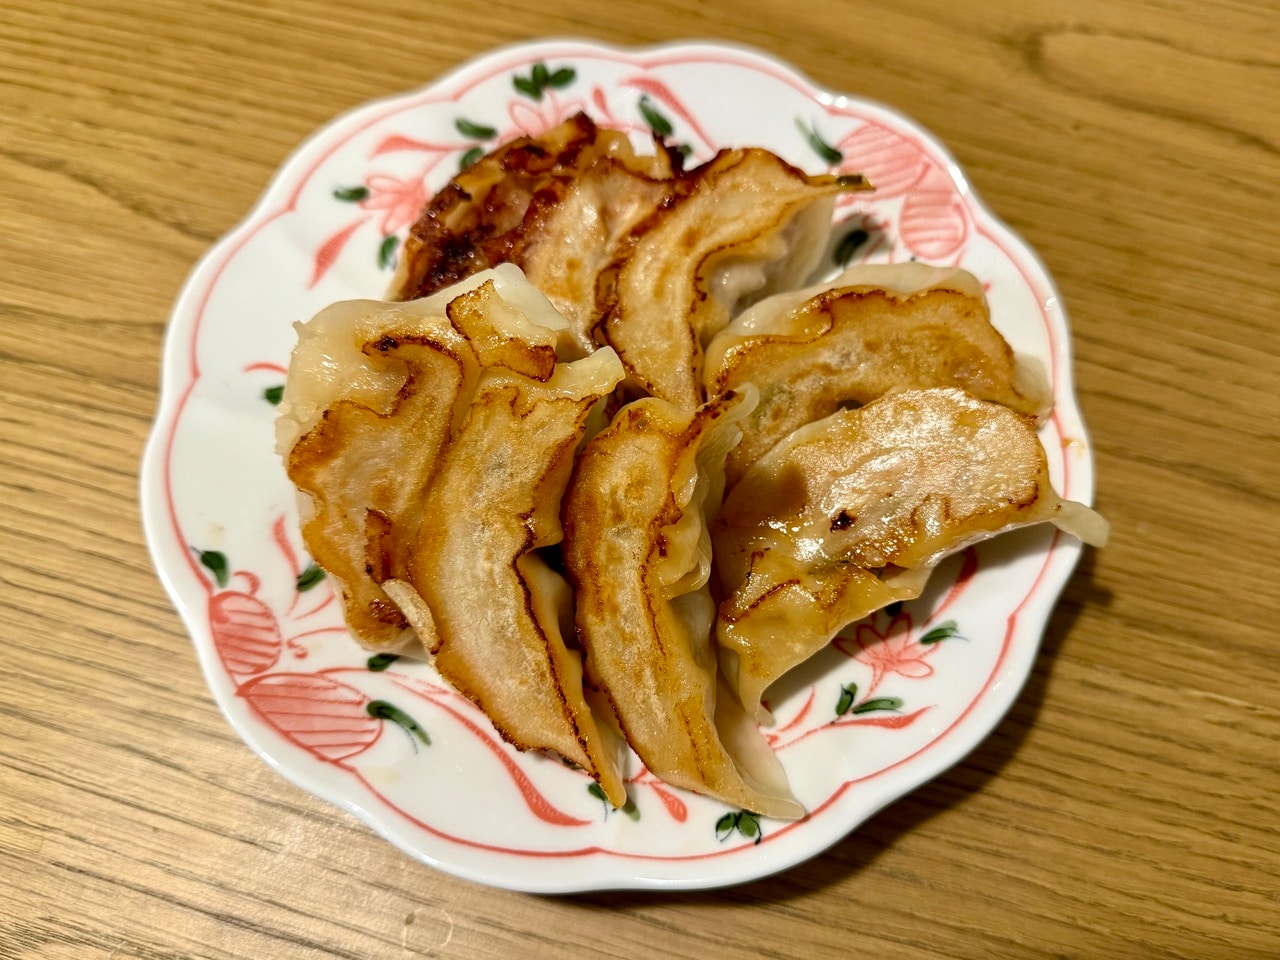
1012, 676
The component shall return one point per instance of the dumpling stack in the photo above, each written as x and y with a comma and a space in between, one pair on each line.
636, 252
431, 442
451, 452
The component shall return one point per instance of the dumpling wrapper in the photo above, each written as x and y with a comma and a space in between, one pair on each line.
558, 206
851, 513
745, 224
638, 554
373, 393
636, 252
873, 329
395, 421
497, 607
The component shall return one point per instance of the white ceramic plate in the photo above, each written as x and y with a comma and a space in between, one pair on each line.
895, 703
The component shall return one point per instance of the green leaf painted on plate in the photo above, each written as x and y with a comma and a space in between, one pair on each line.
656, 121
476, 131
943, 631
309, 577
848, 694
386, 711
470, 157
744, 822
350, 194
562, 78
380, 661
878, 703
387, 252
534, 85
629, 807
273, 395
527, 87
828, 153
848, 246
215, 561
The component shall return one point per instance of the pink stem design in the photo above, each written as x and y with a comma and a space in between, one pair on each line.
263, 365
329, 251
539, 805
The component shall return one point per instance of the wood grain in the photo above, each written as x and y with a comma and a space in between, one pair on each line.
1127, 806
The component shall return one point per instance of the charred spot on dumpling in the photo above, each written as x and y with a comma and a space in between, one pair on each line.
387, 613
842, 521
573, 193
378, 533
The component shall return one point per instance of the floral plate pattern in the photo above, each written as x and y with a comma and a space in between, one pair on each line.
891, 703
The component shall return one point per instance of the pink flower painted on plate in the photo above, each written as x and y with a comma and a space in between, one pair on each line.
245, 632
399, 200
889, 160
893, 651
321, 715
534, 118
934, 223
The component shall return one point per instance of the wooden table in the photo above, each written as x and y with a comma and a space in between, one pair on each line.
1127, 806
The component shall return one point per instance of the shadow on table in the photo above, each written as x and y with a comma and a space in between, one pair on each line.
861, 848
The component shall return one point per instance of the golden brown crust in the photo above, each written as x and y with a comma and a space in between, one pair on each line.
500, 640
556, 205
361, 504
436, 440
854, 342
634, 525
675, 284
494, 330
637, 253
850, 513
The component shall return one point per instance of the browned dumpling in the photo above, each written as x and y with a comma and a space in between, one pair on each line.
371, 396
636, 252
851, 513
637, 551
558, 206
497, 607
873, 329
431, 442
745, 224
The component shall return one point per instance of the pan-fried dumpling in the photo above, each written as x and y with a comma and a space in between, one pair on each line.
373, 392
746, 224
558, 205
637, 551
430, 442
497, 607
636, 252
873, 329
851, 513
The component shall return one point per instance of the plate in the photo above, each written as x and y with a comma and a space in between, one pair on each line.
887, 706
